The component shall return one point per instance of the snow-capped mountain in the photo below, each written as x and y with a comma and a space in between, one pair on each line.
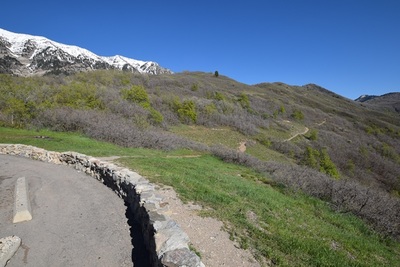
25, 55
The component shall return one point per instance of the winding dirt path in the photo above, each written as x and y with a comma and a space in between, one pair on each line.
297, 134
321, 123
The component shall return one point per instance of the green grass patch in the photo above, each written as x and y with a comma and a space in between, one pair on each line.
288, 228
211, 136
229, 138
275, 133
262, 152
61, 142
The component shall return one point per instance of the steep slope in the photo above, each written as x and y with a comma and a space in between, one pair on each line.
305, 136
25, 55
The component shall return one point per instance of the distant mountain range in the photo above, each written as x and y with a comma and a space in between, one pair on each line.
389, 102
25, 55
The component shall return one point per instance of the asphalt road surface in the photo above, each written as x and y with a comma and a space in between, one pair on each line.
77, 221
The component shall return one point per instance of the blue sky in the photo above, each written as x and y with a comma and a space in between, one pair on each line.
351, 47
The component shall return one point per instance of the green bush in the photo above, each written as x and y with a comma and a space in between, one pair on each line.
22, 99
327, 166
321, 161
194, 87
136, 94
311, 157
265, 141
282, 109
313, 136
219, 96
297, 115
80, 95
156, 116
244, 101
186, 110
18, 111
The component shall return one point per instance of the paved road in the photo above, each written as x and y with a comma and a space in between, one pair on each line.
77, 221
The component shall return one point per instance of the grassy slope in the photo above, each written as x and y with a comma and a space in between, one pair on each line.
286, 227
229, 138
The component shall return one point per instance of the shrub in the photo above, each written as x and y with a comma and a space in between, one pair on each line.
244, 101
219, 96
297, 115
327, 166
282, 109
78, 95
321, 161
186, 110
311, 158
194, 87
313, 136
18, 111
376, 207
112, 128
136, 94
266, 142
156, 116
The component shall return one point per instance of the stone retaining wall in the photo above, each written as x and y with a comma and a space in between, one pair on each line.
165, 241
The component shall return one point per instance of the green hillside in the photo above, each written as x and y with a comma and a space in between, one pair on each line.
284, 141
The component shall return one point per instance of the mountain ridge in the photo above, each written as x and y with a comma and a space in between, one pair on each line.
385, 102
27, 55
365, 98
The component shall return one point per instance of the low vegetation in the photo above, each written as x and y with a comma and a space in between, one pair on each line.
280, 226
293, 140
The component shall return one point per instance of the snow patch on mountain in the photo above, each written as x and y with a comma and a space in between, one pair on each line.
120, 62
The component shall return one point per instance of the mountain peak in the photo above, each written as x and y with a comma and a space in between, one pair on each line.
25, 55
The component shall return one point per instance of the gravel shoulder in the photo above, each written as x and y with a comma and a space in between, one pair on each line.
206, 234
